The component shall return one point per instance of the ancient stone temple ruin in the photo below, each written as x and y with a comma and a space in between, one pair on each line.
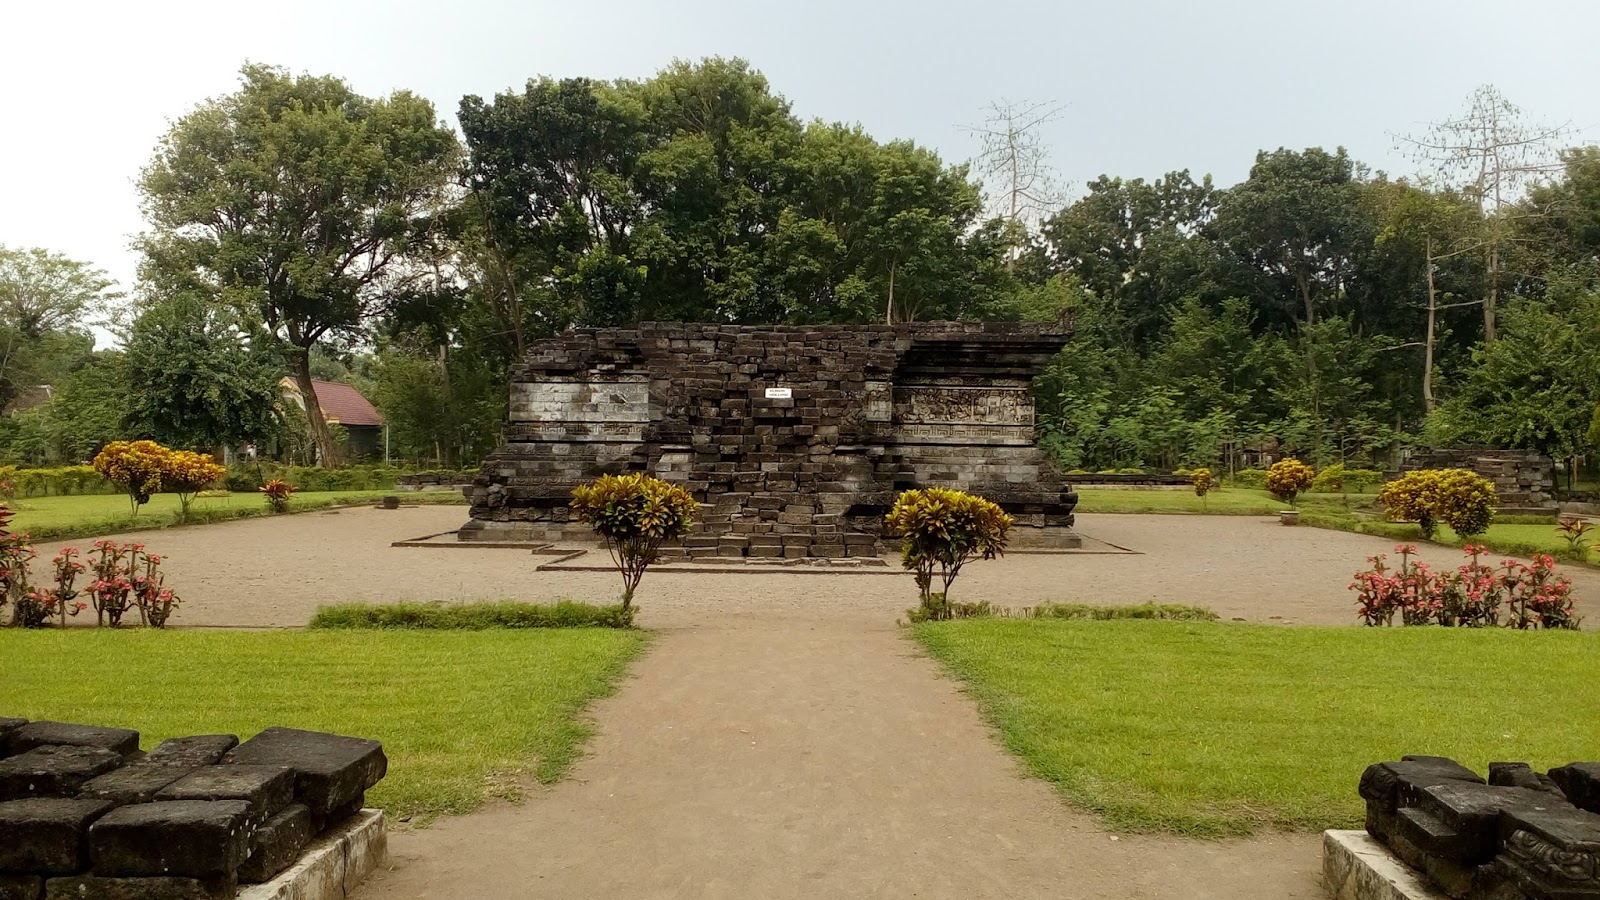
1522, 835
795, 439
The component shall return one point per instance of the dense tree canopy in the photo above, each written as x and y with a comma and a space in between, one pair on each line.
301, 202
1316, 307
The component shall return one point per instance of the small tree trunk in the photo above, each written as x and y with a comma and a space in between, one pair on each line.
1427, 356
327, 451
888, 317
1492, 297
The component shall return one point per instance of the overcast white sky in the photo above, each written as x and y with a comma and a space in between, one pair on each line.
88, 87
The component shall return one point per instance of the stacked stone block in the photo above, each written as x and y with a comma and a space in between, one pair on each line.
1520, 835
795, 440
84, 813
1524, 481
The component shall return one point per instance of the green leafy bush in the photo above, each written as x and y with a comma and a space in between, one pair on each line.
473, 616
1336, 479
937, 609
1170, 611
1462, 499
635, 514
1254, 479
944, 528
246, 477
60, 481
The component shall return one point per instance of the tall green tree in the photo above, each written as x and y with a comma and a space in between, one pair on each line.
1295, 228
1534, 388
302, 202
196, 379
47, 301
1136, 244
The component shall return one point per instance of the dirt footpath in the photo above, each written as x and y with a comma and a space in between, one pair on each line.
276, 572
772, 759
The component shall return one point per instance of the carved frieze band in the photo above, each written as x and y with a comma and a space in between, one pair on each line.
626, 401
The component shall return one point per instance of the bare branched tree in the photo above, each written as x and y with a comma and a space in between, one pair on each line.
1492, 153
1014, 163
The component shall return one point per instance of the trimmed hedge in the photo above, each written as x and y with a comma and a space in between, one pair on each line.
1169, 611
364, 477
472, 616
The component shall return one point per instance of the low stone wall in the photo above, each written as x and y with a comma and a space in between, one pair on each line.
84, 813
1524, 481
1522, 835
433, 481
1131, 480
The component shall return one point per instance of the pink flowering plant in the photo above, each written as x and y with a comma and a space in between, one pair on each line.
58, 602
1539, 596
1472, 596
150, 593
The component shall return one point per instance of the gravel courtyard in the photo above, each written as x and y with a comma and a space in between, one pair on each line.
275, 572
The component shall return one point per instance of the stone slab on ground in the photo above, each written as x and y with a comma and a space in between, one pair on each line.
53, 771
331, 771
1581, 783
47, 835
195, 750
124, 741
187, 838
1357, 867
277, 844
137, 782
334, 864
268, 789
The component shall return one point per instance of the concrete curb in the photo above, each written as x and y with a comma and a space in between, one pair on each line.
333, 865
1356, 867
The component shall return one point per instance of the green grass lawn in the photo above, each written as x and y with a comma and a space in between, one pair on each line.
83, 515
1218, 728
462, 715
1226, 502
1335, 511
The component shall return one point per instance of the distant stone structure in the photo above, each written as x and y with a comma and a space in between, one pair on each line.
1524, 481
1522, 835
795, 439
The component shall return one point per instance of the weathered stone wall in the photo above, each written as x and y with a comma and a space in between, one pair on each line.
83, 813
795, 439
1524, 481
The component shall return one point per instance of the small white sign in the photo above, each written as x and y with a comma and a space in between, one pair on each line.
780, 393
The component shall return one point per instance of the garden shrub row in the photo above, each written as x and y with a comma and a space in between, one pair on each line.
60, 481
365, 477
472, 616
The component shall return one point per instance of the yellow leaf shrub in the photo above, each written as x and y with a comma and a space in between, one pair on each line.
1460, 498
635, 514
1289, 477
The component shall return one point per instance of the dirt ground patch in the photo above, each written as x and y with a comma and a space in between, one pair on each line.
276, 572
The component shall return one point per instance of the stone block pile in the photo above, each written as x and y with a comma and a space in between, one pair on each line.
795, 440
1524, 481
1519, 835
85, 814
